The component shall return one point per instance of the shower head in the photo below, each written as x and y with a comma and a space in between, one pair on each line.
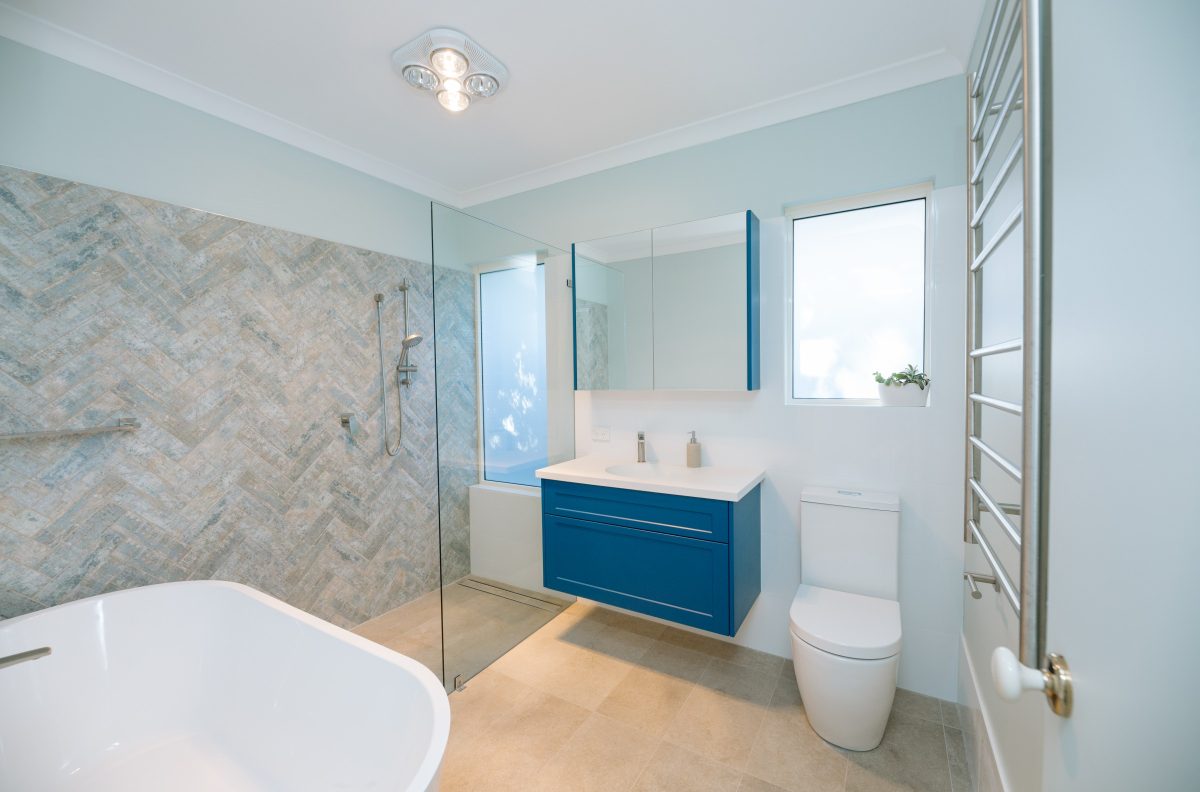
410, 341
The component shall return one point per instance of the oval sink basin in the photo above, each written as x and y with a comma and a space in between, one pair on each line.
650, 471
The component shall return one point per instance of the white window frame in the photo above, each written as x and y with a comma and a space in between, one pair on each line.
506, 263
796, 212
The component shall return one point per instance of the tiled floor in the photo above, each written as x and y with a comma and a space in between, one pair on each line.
482, 621
597, 700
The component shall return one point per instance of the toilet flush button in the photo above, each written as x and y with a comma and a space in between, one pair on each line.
849, 492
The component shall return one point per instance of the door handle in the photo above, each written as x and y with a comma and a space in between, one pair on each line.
1053, 679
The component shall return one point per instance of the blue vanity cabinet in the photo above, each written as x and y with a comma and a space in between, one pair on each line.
693, 561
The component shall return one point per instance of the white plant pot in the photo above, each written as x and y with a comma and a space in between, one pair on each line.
909, 395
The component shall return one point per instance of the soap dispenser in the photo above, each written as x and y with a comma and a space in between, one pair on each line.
693, 452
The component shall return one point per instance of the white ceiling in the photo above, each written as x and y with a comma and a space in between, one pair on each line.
593, 83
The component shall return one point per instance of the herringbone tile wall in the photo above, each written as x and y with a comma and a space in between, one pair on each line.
236, 346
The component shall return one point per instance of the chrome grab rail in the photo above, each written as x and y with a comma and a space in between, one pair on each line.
24, 657
122, 425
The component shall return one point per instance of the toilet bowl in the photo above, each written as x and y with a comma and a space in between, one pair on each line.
846, 649
845, 618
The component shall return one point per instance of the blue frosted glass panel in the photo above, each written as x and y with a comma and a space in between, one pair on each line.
512, 308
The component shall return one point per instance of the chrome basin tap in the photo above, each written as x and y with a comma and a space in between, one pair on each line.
641, 446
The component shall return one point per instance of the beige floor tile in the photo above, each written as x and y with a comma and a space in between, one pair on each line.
723, 650
674, 769
603, 755
675, 660
629, 623
581, 676
912, 756
739, 682
484, 702
789, 754
717, 725
646, 699
752, 784
915, 705
512, 750
792, 756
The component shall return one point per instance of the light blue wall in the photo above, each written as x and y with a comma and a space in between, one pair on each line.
67, 121
890, 141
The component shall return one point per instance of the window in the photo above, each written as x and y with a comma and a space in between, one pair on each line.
512, 352
857, 295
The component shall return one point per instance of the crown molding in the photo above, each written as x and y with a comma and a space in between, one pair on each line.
54, 40
909, 73
42, 35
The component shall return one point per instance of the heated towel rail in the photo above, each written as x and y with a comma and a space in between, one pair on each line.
1012, 75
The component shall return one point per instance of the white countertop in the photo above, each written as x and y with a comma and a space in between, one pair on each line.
714, 483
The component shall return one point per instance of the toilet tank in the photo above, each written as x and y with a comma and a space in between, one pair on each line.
850, 541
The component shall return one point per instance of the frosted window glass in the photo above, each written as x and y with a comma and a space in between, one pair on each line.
512, 331
858, 299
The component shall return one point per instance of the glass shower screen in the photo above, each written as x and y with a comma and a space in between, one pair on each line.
505, 407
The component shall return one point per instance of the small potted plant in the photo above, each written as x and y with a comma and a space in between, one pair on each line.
908, 388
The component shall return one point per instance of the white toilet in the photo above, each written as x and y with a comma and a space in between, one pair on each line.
845, 619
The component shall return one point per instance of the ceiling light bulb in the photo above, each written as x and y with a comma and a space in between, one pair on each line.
419, 77
482, 85
454, 101
452, 85
449, 62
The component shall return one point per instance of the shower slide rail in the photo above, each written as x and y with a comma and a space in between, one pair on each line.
122, 425
1016, 28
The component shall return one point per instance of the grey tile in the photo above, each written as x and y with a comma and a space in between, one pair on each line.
236, 345
912, 756
915, 705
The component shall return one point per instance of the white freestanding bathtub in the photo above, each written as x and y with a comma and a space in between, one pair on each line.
211, 686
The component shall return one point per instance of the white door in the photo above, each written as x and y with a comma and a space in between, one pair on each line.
1124, 554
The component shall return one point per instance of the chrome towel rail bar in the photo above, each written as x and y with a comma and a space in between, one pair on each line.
990, 504
993, 31
122, 425
1007, 226
994, 455
996, 349
994, 135
999, 404
1009, 161
993, 80
1006, 585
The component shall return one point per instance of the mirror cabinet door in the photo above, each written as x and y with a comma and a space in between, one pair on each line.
672, 308
613, 323
699, 310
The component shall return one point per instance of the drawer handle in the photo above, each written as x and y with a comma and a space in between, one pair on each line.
632, 519
634, 596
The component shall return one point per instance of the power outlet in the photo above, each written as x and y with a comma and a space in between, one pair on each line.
600, 434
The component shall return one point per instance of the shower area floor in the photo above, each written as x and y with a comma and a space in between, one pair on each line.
480, 620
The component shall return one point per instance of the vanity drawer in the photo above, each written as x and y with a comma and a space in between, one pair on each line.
696, 518
659, 574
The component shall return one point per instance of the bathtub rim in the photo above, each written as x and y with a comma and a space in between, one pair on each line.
430, 767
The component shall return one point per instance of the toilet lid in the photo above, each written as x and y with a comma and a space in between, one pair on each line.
850, 625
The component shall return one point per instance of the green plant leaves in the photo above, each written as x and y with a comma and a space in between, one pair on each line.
910, 376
